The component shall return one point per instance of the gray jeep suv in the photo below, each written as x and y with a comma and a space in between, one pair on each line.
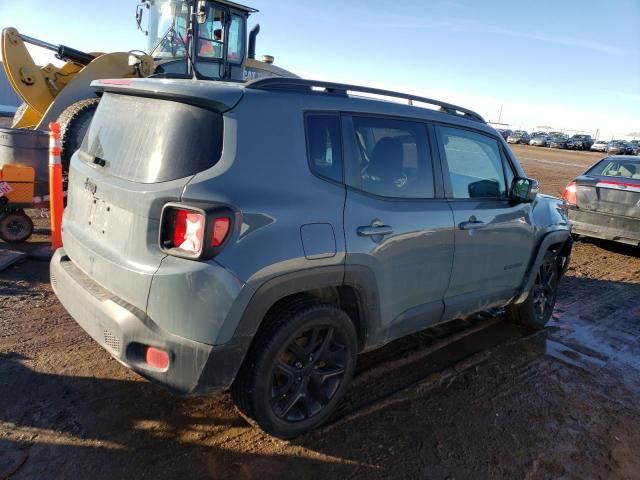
259, 236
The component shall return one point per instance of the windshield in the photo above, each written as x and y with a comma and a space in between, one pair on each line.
164, 41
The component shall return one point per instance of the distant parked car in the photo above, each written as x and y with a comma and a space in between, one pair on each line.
636, 147
519, 136
505, 132
558, 142
580, 142
557, 134
599, 146
618, 147
604, 202
539, 141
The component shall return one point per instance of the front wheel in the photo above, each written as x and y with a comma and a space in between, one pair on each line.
536, 310
298, 369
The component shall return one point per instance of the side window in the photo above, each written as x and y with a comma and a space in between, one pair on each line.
390, 158
236, 34
474, 163
324, 148
210, 42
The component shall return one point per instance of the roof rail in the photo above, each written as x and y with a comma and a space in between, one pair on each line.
301, 84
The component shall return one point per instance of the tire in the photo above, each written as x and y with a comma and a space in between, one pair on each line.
74, 121
297, 369
536, 310
15, 227
19, 112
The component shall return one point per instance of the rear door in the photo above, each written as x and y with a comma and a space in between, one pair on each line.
612, 187
493, 239
138, 154
397, 225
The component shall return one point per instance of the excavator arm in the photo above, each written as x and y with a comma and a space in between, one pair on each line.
48, 90
36, 86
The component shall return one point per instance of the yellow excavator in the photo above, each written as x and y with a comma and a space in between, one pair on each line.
201, 39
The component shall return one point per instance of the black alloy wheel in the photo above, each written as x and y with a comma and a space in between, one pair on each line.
308, 372
536, 310
298, 368
543, 293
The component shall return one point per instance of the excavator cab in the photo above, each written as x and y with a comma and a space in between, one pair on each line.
212, 49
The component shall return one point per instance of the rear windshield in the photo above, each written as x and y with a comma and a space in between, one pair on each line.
148, 140
620, 168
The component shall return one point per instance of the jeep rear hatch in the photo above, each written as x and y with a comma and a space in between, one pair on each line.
138, 154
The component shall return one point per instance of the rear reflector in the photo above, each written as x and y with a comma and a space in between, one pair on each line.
569, 194
220, 231
157, 358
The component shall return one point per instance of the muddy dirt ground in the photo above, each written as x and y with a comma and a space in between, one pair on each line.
476, 399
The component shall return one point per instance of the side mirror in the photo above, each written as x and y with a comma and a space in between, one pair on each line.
140, 14
523, 190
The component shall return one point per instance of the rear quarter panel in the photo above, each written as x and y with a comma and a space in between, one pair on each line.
264, 176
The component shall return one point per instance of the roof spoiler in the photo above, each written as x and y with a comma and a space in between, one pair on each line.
212, 95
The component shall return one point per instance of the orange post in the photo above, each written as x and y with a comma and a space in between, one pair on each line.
55, 185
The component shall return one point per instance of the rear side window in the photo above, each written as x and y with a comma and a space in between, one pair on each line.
474, 163
391, 158
148, 140
620, 168
324, 148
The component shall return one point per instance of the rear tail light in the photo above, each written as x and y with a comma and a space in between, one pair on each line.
569, 194
192, 232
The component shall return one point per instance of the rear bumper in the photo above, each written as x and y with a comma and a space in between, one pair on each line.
125, 331
605, 226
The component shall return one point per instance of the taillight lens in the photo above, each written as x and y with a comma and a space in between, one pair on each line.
193, 232
569, 194
220, 230
186, 229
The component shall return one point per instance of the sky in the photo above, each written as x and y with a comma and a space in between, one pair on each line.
563, 64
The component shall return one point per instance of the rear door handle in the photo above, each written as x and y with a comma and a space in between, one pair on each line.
371, 231
471, 224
